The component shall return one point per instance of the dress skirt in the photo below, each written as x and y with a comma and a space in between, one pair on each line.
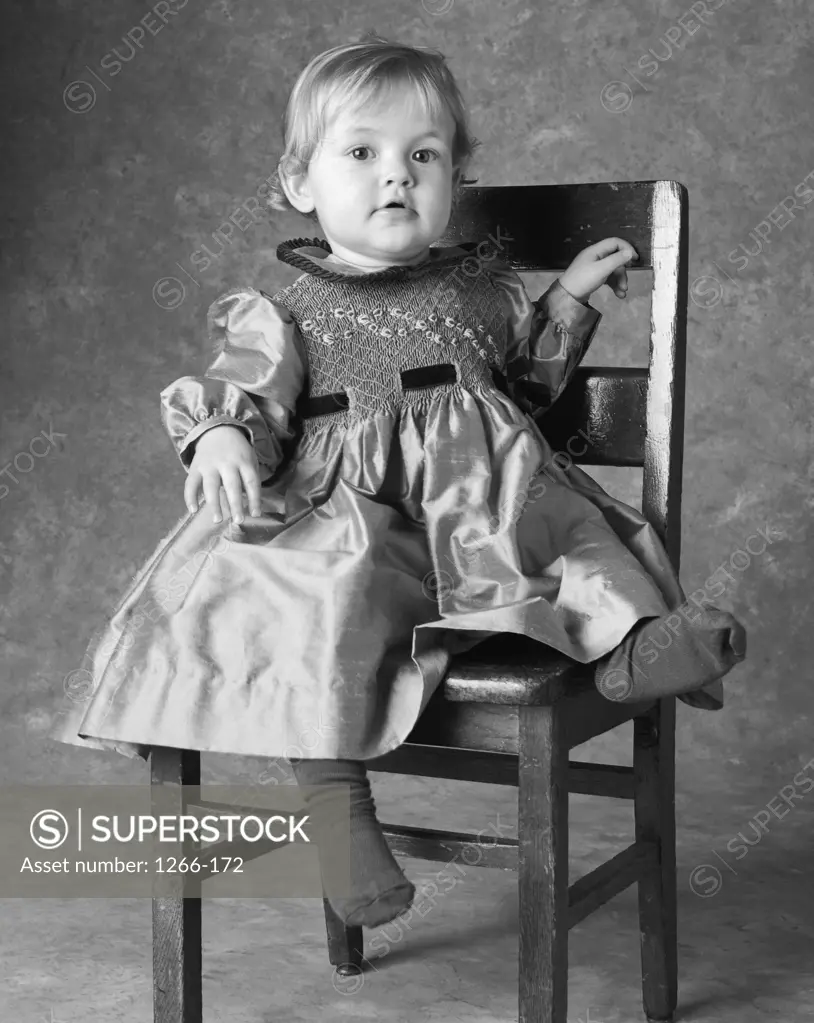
323, 627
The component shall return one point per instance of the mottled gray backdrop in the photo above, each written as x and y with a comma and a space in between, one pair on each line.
124, 174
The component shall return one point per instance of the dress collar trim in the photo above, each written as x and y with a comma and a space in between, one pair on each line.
309, 254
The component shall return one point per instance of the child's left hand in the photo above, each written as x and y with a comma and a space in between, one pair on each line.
602, 263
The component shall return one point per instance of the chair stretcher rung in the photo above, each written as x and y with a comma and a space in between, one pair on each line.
613, 780
585, 896
607, 880
446, 846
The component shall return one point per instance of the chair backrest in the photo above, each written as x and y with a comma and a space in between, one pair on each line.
633, 417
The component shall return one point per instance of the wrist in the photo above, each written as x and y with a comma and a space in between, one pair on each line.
573, 292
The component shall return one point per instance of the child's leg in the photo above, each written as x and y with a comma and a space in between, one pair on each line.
379, 890
676, 653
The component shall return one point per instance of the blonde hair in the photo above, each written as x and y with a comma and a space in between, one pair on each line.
351, 75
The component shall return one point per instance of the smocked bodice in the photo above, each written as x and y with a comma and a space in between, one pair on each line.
364, 333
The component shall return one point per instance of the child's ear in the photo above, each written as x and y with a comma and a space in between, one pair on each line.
295, 186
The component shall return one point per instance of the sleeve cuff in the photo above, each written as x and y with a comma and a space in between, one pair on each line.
187, 449
575, 317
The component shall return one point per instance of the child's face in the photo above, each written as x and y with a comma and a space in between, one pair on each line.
369, 158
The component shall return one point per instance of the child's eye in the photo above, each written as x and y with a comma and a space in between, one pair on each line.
357, 149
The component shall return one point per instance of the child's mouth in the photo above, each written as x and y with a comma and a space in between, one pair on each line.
397, 211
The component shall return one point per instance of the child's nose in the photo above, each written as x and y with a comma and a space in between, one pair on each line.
398, 175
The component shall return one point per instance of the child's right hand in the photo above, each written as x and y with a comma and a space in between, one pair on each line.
223, 457
601, 263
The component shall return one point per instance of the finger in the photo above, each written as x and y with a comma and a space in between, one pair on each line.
191, 490
612, 264
617, 282
609, 246
627, 250
251, 482
211, 486
624, 254
234, 493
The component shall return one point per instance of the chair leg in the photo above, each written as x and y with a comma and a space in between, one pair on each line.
542, 866
177, 946
654, 774
345, 944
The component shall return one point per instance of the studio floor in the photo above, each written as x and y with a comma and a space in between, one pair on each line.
746, 933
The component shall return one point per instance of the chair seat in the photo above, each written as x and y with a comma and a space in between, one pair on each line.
515, 670
478, 705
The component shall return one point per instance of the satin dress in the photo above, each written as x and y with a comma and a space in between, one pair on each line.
411, 508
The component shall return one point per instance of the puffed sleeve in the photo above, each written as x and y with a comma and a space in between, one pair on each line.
253, 383
546, 339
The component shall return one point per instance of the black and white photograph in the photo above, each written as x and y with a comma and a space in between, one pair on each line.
406, 483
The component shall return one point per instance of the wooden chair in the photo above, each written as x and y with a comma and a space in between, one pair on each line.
509, 712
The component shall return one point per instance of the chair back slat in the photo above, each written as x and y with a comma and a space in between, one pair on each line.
600, 419
633, 417
541, 228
